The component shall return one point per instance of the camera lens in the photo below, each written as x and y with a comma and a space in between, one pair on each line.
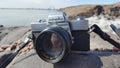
53, 44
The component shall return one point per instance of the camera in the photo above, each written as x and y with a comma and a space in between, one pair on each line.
56, 37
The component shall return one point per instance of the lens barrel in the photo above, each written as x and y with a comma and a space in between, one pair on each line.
53, 44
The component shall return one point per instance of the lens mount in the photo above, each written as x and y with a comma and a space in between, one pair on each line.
53, 44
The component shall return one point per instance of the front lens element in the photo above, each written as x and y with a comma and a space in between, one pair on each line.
51, 45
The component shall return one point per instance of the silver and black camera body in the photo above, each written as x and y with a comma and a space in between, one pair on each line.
57, 37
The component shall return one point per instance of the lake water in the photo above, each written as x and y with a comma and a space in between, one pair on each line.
21, 17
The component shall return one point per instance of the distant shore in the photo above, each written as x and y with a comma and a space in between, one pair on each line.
27, 9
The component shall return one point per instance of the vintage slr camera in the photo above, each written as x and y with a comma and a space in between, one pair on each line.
57, 36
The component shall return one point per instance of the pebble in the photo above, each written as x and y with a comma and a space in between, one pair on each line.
4, 47
8, 49
1, 50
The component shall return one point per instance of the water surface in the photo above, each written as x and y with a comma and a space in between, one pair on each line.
21, 17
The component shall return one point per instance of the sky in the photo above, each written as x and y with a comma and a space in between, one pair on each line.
50, 3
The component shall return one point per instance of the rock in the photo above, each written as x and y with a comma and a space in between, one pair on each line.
8, 49
31, 46
1, 26
115, 11
98, 9
13, 47
5, 46
1, 50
